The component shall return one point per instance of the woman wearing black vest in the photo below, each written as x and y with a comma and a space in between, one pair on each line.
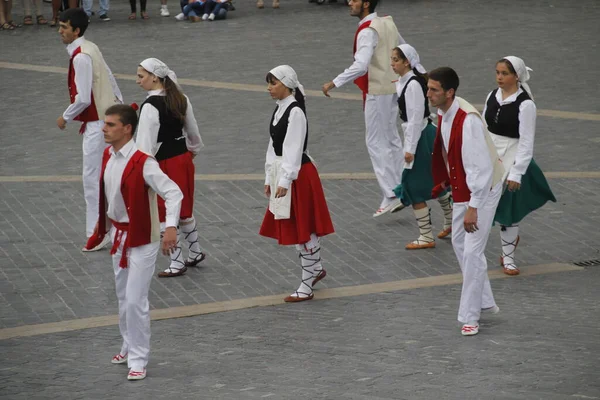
419, 134
168, 131
510, 114
297, 212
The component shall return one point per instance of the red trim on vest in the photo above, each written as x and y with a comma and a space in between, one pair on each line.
135, 192
458, 177
90, 113
363, 81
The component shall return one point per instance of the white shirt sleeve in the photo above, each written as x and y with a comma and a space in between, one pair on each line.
365, 46
147, 131
269, 162
476, 160
165, 188
415, 109
527, 118
82, 64
293, 146
193, 140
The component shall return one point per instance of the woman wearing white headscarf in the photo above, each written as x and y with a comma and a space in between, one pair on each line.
419, 135
297, 212
510, 114
166, 118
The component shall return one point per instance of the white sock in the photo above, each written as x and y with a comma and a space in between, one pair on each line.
310, 260
508, 236
446, 204
190, 235
423, 216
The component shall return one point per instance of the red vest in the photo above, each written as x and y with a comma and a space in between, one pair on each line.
363, 81
458, 177
135, 195
89, 114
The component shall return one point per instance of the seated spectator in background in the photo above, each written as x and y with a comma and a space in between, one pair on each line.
215, 9
191, 9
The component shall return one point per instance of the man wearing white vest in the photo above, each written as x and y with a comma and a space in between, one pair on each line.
465, 158
92, 90
372, 73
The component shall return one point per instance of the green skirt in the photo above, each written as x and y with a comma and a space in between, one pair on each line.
533, 194
417, 182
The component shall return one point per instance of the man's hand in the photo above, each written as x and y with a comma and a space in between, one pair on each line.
471, 220
408, 158
61, 123
169, 241
268, 191
281, 192
513, 186
327, 87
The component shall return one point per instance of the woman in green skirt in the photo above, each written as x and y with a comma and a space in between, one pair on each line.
419, 134
510, 114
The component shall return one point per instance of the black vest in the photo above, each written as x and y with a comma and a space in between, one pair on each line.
402, 101
279, 131
170, 134
504, 120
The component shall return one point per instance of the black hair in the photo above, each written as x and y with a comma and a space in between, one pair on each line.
508, 64
77, 17
446, 76
126, 113
270, 78
372, 5
422, 78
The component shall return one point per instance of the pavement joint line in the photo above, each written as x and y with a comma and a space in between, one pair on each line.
261, 89
259, 177
273, 300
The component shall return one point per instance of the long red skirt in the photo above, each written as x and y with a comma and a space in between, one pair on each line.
308, 214
181, 171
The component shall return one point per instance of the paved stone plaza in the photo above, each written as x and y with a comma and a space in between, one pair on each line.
383, 325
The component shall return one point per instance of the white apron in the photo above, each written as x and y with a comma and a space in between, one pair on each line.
280, 207
507, 151
404, 125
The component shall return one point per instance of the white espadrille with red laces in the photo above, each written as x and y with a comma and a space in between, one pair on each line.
136, 375
469, 330
119, 359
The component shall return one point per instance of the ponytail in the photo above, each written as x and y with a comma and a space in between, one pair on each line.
299, 98
175, 100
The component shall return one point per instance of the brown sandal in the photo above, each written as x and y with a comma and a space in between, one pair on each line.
132, 16
6, 27
144, 15
53, 22
28, 20
41, 20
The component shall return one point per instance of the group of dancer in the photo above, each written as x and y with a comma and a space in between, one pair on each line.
478, 167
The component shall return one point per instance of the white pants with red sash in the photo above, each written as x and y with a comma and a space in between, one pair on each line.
383, 141
132, 287
93, 147
469, 249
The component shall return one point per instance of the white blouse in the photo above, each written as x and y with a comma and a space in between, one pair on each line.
527, 119
415, 109
293, 144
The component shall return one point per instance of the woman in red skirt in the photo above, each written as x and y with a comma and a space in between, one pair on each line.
297, 212
168, 131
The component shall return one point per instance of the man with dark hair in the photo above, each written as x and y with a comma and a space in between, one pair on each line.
372, 73
92, 90
465, 158
129, 182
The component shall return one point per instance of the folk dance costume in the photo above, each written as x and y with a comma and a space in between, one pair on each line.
511, 122
465, 159
301, 217
371, 72
173, 143
129, 183
92, 89
419, 135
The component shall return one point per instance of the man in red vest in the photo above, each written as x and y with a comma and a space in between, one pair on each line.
371, 71
465, 159
129, 183
92, 89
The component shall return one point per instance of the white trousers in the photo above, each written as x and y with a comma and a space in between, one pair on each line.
469, 249
132, 285
383, 141
93, 147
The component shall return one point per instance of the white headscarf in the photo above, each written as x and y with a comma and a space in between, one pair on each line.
288, 77
158, 68
413, 57
522, 71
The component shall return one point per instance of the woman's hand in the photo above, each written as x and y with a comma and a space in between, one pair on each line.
513, 186
281, 192
408, 158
